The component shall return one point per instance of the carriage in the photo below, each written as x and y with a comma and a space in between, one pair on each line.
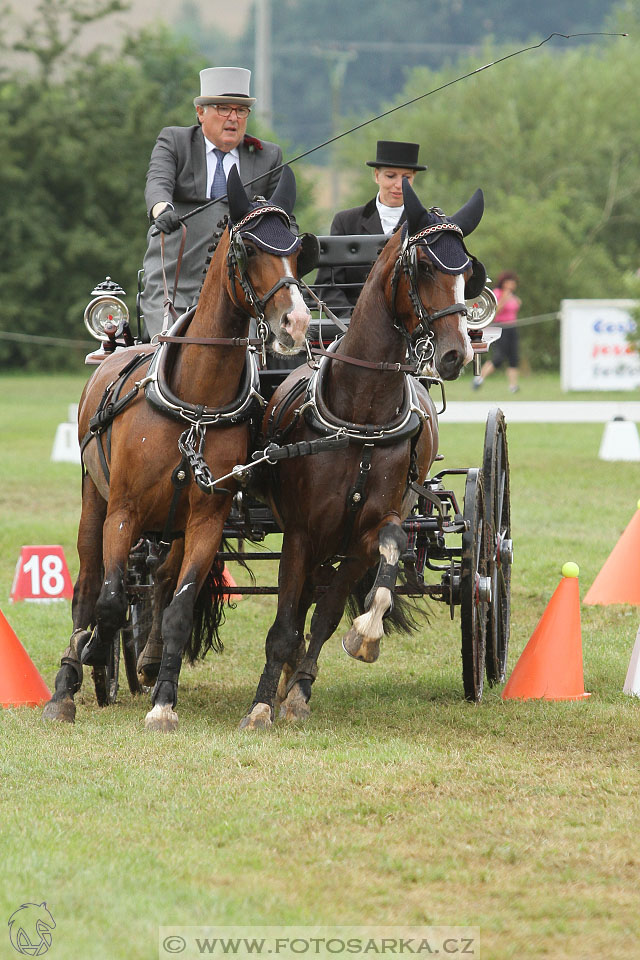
457, 553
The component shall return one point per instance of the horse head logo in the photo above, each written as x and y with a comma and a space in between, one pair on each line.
30, 929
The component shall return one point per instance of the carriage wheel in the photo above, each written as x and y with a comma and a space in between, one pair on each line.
105, 679
134, 637
474, 587
495, 470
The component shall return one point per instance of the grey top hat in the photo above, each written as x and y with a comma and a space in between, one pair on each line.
224, 85
395, 153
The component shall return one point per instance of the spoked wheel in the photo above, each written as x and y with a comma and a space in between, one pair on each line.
495, 471
475, 588
105, 679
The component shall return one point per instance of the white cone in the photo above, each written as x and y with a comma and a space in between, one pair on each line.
65, 444
632, 682
620, 441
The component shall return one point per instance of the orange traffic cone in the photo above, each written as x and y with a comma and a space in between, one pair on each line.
230, 582
619, 579
550, 666
20, 683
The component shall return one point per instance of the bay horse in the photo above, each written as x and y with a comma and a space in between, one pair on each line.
183, 418
342, 514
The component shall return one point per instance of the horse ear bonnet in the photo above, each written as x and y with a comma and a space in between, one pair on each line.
270, 232
476, 282
309, 254
445, 247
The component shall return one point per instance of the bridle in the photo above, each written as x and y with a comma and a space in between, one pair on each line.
237, 263
420, 342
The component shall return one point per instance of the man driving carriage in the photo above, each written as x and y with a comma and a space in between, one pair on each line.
190, 165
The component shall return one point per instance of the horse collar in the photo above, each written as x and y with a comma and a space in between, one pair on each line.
161, 397
318, 416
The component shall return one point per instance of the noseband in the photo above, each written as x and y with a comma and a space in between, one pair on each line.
237, 261
421, 340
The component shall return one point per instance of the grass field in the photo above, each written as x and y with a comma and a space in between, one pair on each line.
397, 804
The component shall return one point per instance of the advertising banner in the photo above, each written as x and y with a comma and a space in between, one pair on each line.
594, 351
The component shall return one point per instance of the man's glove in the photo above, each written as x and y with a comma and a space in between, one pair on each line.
168, 221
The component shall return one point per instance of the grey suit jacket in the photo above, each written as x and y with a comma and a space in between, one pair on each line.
178, 174
356, 221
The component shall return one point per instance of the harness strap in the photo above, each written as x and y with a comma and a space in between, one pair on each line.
370, 365
108, 410
212, 341
356, 496
180, 478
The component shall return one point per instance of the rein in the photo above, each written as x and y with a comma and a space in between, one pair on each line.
384, 366
168, 302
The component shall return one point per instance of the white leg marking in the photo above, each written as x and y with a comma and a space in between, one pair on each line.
369, 624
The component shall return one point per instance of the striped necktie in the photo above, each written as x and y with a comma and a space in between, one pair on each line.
219, 185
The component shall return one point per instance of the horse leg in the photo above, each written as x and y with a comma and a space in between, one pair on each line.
325, 621
111, 605
363, 639
296, 707
202, 540
85, 593
165, 579
285, 635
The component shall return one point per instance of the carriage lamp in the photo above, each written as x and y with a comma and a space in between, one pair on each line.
481, 310
480, 313
106, 314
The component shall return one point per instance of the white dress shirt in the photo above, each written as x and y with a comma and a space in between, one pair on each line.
389, 216
230, 159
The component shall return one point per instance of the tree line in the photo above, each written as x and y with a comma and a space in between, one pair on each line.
551, 137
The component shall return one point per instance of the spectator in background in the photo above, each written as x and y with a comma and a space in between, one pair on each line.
506, 348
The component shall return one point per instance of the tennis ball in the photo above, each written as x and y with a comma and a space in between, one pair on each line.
570, 569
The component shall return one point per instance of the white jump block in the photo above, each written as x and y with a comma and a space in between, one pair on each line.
620, 441
72, 415
65, 444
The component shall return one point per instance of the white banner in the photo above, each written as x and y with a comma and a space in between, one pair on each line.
594, 351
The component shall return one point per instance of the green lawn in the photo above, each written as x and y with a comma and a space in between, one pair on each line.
397, 804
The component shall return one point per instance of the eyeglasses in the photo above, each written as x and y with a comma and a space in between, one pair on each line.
225, 110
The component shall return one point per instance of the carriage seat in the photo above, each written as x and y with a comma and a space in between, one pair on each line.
337, 255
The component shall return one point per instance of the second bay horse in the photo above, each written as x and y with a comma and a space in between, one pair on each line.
342, 513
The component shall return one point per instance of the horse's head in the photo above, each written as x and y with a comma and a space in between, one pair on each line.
434, 275
262, 259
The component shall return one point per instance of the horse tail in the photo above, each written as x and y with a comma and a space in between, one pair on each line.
405, 616
209, 609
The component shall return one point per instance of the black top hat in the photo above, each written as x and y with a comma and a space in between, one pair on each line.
394, 153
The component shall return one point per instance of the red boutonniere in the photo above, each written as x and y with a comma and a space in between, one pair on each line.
252, 143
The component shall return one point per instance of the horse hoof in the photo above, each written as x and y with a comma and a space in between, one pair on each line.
148, 665
258, 719
148, 674
361, 648
63, 710
295, 709
162, 718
